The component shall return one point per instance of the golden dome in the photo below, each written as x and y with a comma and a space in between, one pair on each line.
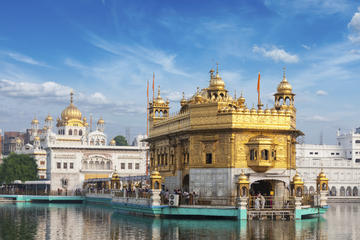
241, 100
48, 118
243, 178
159, 99
284, 86
198, 97
322, 175
155, 173
112, 142
71, 112
115, 176
183, 100
35, 121
101, 121
37, 138
18, 141
216, 81
297, 178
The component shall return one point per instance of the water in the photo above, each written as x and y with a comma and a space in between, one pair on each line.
77, 221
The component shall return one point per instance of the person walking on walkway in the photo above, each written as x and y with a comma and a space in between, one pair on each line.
262, 200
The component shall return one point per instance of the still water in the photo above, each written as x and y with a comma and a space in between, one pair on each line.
77, 221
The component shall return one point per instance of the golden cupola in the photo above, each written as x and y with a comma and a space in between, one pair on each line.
71, 115
71, 112
284, 86
216, 81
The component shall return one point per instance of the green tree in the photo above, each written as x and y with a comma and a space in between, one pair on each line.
18, 167
121, 141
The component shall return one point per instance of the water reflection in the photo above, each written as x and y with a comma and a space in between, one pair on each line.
57, 221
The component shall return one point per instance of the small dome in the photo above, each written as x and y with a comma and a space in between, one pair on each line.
267, 111
48, 118
35, 121
253, 110
284, 86
101, 121
37, 138
155, 173
322, 175
241, 99
297, 178
112, 142
18, 141
115, 176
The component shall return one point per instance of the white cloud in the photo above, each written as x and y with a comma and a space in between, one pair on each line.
28, 89
321, 93
276, 54
57, 93
354, 26
140, 53
306, 46
317, 118
25, 59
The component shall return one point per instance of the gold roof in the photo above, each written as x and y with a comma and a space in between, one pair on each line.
322, 176
159, 99
71, 112
35, 121
216, 81
297, 179
101, 121
284, 86
48, 118
113, 142
243, 179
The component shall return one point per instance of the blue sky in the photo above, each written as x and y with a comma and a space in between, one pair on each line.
106, 51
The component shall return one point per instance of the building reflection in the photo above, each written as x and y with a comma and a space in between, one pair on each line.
81, 221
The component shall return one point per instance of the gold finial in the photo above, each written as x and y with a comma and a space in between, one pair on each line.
159, 91
71, 96
183, 95
235, 94
197, 90
217, 68
211, 73
284, 74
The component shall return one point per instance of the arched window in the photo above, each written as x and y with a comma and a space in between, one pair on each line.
92, 142
265, 154
80, 132
342, 191
97, 142
333, 191
287, 101
281, 101
103, 142
252, 154
75, 132
70, 132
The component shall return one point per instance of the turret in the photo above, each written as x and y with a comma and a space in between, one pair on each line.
158, 109
284, 98
100, 125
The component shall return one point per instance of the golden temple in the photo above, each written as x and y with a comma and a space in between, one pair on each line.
204, 147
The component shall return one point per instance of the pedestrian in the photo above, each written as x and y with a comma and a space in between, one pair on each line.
262, 200
257, 202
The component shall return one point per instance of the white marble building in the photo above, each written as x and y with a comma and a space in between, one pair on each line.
73, 153
340, 162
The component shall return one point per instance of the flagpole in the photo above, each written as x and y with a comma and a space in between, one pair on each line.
258, 90
147, 126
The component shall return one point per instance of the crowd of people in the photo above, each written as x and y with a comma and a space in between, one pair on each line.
185, 197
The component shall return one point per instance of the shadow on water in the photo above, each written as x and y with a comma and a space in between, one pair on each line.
81, 221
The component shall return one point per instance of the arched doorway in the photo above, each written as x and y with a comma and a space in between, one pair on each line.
263, 186
342, 191
348, 191
333, 191
306, 191
311, 190
185, 183
355, 191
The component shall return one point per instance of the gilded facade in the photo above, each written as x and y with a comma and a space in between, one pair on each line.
204, 147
